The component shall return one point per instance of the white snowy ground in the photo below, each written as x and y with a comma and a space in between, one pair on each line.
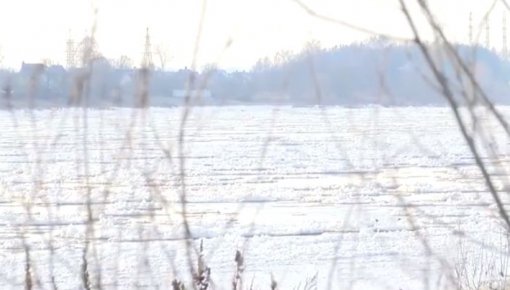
369, 198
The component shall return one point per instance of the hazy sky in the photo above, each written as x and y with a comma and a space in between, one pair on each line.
32, 30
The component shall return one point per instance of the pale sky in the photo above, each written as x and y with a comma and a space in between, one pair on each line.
33, 30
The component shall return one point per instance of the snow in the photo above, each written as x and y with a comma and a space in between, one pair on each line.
346, 194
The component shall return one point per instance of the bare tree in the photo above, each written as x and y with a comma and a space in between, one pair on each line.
124, 62
163, 56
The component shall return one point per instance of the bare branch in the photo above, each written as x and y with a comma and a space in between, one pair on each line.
447, 93
313, 13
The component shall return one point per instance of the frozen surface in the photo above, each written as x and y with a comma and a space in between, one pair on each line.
367, 198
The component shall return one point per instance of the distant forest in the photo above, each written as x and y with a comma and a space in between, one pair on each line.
376, 72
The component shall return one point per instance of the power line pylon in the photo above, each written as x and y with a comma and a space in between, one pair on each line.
505, 48
147, 55
70, 52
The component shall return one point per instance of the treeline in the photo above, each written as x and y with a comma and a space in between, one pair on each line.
376, 72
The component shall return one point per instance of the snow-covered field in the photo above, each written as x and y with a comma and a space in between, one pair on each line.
367, 198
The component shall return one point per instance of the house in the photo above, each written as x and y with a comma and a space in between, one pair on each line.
29, 70
50, 80
178, 97
181, 94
